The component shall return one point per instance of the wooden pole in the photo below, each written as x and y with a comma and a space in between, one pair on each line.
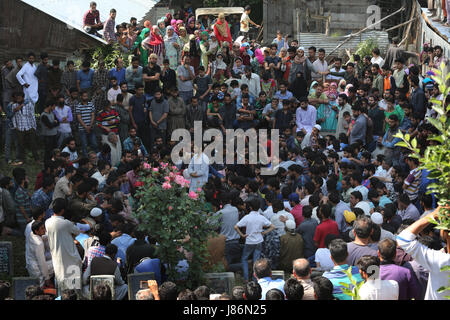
400, 25
351, 36
408, 29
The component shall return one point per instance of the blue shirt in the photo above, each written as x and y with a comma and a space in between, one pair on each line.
337, 275
267, 284
85, 79
120, 75
122, 243
286, 96
150, 265
43, 200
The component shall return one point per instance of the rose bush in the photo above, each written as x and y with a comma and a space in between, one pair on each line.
177, 219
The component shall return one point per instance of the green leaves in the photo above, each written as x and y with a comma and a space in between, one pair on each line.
175, 221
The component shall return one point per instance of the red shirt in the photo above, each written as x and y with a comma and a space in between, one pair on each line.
326, 227
297, 212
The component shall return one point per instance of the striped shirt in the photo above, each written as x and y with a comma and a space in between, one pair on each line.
104, 117
337, 275
86, 112
413, 181
24, 119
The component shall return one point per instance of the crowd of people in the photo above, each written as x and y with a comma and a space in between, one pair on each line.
345, 196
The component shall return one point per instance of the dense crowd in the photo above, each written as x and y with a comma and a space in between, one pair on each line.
344, 195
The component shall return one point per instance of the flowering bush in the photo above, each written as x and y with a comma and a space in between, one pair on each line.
176, 219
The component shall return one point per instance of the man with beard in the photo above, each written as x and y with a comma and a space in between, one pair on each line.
305, 118
128, 144
358, 131
159, 110
72, 150
378, 79
86, 117
377, 116
125, 162
194, 113
344, 107
6, 89
63, 114
228, 112
392, 152
439, 57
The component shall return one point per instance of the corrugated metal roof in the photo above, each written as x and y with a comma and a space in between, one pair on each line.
71, 12
321, 40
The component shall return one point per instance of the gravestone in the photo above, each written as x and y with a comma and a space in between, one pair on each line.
220, 282
278, 274
138, 281
102, 279
19, 285
6, 258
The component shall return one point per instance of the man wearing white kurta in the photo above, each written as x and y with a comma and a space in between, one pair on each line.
198, 171
36, 261
28, 80
66, 259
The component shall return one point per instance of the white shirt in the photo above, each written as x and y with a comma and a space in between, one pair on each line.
431, 260
320, 67
254, 84
379, 290
305, 200
330, 77
26, 76
98, 176
363, 190
379, 61
36, 262
63, 113
254, 223
245, 22
268, 213
112, 95
65, 256
280, 226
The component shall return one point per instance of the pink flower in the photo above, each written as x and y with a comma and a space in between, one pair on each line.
146, 165
172, 175
155, 170
179, 180
193, 195
164, 165
195, 228
170, 208
174, 168
166, 186
199, 189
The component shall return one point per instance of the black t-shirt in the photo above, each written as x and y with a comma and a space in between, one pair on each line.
151, 86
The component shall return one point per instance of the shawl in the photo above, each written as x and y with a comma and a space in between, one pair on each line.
163, 29
222, 30
168, 19
311, 88
188, 28
155, 37
332, 92
220, 64
259, 56
342, 82
201, 37
185, 38
141, 37
173, 37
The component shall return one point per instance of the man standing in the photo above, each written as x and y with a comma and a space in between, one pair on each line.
159, 110
407, 282
85, 112
109, 32
245, 22
119, 71
151, 76
344, 107
49, 128
108, 120
27, 79
417, 96
69, 79
24, 122
186, 75
252, 80
133, 74
64, 115
337, 276
389, 141
362, 230
91, 20
65, 256
42, 76
321, 66
291, 247
114, 91
359, 128
6, 87
254, 223
138, 113
85, 77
